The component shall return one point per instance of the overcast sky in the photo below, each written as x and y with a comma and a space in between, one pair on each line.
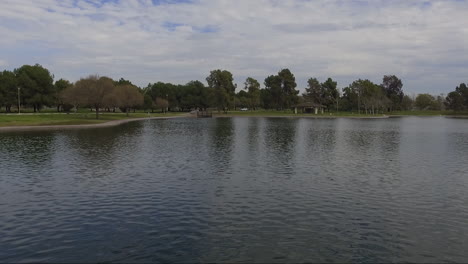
422, 42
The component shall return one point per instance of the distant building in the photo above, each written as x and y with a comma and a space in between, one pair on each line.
309, 108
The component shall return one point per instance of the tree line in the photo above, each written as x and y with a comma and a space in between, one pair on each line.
35, 87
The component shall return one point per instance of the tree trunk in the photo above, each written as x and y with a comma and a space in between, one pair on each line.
126, 110
58, 108
97, 112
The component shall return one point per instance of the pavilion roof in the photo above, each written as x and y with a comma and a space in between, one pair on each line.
309, 104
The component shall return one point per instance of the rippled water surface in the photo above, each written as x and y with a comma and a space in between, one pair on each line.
238, 190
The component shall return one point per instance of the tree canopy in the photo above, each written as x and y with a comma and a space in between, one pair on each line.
224, 89
38, 89
36, 83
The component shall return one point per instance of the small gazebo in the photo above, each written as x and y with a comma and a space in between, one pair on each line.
309, 108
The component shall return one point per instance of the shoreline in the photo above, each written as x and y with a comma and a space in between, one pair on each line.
335, 116
301, 116
111, 123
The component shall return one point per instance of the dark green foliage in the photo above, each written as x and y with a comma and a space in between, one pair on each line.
273, 86
363, 96
288, 88
314, 92
8, 90
282, 89
330, 93
195, 96
252, 87
36, 84
350, 99
122, 81
407, 103
426, 102
458, 99
221, 81
59, 87
366, 96
266, 99
393, 89
242, 99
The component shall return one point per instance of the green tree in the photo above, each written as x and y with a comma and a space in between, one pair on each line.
350, 97
393, 88
288, 88
407, 103
426, 102
372, 97
36, 84
330, 94
273, 88
282, 89
242, 99
252, 87
122, 81
458, 99
224, 89
367, 96
314, 91
440, 102
266, 99
147, 102
194, 95
60, 86
8, 90
462, 89
167, 91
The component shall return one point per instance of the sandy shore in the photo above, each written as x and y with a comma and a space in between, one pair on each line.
67, 127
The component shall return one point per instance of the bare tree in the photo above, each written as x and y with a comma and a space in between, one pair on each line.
94, 90
161, 103
73, 96
129, 96
112, 100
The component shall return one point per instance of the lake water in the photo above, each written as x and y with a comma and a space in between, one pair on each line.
238, 190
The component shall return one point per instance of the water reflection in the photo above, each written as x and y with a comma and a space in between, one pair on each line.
279, 145
237, 190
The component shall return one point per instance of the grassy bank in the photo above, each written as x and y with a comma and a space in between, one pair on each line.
46, 119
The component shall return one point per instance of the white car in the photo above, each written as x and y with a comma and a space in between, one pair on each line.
244, 109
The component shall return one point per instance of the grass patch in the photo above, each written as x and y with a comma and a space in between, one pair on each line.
46, 119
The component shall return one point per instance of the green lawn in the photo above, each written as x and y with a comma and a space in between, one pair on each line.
44, 119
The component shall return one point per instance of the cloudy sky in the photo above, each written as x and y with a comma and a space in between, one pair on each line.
425, 43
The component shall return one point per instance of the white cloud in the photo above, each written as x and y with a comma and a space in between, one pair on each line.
422, 42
